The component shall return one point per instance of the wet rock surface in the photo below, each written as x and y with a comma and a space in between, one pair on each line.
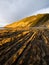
24, 47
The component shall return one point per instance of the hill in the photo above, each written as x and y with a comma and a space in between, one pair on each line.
31, 21
25, 42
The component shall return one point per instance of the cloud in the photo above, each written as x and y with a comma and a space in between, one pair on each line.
45, 10
13, 10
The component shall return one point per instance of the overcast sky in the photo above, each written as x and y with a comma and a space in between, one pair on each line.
13, 10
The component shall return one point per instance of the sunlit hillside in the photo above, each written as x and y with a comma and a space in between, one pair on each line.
25, 42
28, 21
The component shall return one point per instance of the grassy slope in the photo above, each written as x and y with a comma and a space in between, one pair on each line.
29, 21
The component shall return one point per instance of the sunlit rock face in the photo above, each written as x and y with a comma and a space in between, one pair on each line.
25, 42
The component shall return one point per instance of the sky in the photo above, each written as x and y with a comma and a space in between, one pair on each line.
14, 10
